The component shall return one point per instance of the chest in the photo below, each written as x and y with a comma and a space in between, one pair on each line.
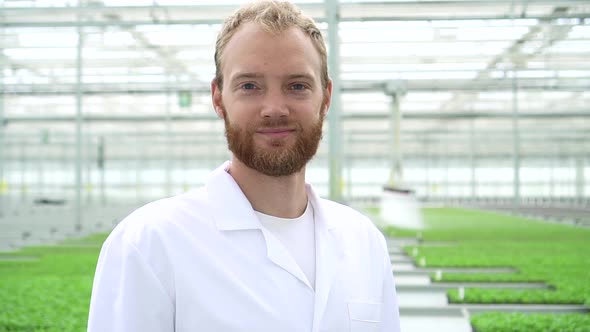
225, 281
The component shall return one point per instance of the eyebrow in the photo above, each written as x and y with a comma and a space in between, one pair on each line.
300, 76
240, 76
248, 75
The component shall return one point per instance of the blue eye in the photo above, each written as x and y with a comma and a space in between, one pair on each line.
248, 86
298, 86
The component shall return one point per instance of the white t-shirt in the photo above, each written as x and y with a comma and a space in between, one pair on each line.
298, 236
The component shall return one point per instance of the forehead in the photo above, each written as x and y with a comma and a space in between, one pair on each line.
253, 49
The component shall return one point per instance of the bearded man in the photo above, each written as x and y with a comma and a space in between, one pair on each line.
255, 249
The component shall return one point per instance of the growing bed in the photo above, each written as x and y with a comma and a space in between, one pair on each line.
556, 254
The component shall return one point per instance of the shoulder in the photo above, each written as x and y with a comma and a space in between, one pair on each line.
356, 231
349, 219
155, 219
346, 215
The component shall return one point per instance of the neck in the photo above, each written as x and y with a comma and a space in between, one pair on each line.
283, 196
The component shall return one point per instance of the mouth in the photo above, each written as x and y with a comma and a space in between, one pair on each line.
276, 132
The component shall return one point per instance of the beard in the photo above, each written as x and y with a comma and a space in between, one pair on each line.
280, 158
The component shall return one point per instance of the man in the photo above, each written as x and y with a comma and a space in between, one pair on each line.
255, 249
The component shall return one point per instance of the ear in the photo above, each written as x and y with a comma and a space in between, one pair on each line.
327, 98
216, 98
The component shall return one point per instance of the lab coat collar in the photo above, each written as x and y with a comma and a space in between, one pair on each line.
233, 211
319, 212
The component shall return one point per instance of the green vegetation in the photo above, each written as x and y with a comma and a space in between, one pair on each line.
519, 322
539, 251
512, 296
51, 294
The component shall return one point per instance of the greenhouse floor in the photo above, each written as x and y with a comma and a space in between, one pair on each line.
416, 295
424, 305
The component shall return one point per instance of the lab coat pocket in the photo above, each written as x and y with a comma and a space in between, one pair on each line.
364, 316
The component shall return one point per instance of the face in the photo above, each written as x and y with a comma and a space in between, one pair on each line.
272, 100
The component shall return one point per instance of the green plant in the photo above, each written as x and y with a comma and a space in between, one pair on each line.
520, 322
537, 251
52, 293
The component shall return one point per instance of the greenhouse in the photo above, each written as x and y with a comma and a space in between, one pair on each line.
461, 128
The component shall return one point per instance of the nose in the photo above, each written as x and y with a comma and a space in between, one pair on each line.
274, 105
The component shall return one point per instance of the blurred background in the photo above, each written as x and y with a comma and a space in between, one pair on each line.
110, 100
105, 105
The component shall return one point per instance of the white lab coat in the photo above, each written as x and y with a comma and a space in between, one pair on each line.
201, 261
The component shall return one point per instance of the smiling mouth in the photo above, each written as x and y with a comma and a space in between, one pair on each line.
276, 132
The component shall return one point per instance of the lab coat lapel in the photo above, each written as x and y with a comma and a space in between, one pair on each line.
233, 211
329, 257
279, 255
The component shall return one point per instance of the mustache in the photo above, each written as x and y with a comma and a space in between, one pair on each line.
275, 122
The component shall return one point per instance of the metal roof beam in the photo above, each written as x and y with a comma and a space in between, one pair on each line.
345, 116
214, 14
547, 84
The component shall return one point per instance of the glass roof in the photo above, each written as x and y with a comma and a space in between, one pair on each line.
459, 64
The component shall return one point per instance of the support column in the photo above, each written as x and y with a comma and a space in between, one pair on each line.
396, 172
23, 170
426, 167
87, 151
334, 115
445, 163
580, 180
40, 156
349, 162
101, 169
516, 138
138, 170
399, 206
168, 140
552, 166
78, 208
472, 162
3, 159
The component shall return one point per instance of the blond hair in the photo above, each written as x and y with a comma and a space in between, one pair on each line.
275, 17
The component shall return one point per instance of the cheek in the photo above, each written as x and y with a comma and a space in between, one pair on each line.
240, 106
237, 118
